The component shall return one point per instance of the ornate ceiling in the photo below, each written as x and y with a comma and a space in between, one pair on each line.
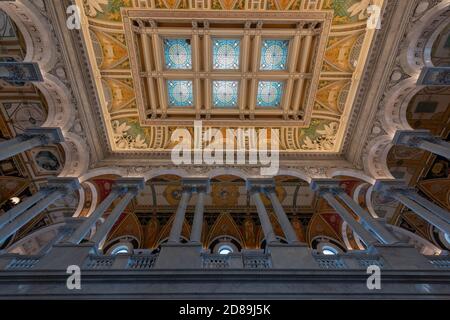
291, 65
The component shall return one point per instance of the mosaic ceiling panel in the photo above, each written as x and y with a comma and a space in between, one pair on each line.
311, 119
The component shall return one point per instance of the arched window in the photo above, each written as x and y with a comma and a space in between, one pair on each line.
225, 249
329, 251
122, 249
447, 238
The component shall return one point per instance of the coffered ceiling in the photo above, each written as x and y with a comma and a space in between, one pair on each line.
290, 65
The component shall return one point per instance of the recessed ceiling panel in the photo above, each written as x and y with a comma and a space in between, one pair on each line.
180, 93
274, 54
226, 54
177, 54
225, 93
269, 93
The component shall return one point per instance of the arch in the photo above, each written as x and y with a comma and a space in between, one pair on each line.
358, 174
375, 162
425, 247
227, 171
41, 48
77, 156
295, 173
36, 31
116, 171
160, 172
94, 199
420, 37
17, 247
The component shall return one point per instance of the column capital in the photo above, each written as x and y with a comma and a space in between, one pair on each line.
67, 184
412, 138
390, 185
48, 134
129, 184
326, 185
260, 184
197, 184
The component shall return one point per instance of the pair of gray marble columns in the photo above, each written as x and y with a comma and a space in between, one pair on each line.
258, 186
367, 228
201, 187
30, 139
128, 188
427, 210
14, 219
424, 140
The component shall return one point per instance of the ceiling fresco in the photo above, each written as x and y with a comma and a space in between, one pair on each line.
315, 123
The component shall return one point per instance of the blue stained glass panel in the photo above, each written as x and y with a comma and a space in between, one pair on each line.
274, 54
180, 93
177, 54
269, 93
225, 93
226, 54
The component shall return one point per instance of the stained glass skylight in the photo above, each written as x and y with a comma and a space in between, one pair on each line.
226, 54
274, 54
177, 54
180, 93
225, 93
269, 93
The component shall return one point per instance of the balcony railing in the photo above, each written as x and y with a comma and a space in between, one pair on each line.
216, 261
99, 262
330, 262
440, 262
22, 263
248, 260
141, 262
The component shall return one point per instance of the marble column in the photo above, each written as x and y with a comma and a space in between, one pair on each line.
24, 205
283, 219
430, 206
197, 224
132, 186
59, 187
82, 231
328, 189
398, 190
28, 140
255, 187
20, 72
201, 186
424, 140
384, 235
177, 225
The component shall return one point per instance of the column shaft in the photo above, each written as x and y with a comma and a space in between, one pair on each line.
266, 225
382, 233
434, 208
285, 224
27, 216
86, 226
197, 224
16, 148
442, 148
105, 228
422, 212
21, 207
347, 217
177, 225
